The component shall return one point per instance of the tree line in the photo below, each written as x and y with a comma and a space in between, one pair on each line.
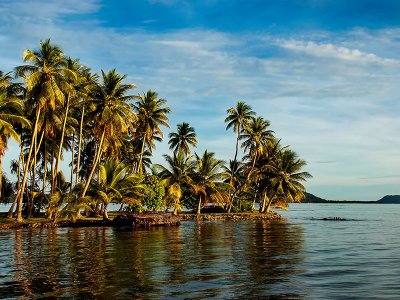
58, 110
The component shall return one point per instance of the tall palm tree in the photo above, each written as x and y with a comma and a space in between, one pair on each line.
208, 178
152, 113
88, 82
45, 86
238, 118
112, 115
11, 113
177, 175
184, 137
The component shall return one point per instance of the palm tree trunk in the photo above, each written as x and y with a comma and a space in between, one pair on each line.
255, 196
78, 164
62, 139
105, 213
30, 206
262, 208
266, 209
26, 171
44, 168
10, 213
237, 145
141, 155
52, 173
199, 206
72, 162
99, 151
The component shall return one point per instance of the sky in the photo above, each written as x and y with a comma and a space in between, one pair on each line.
325, 73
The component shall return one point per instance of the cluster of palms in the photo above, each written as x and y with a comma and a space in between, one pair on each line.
58, 107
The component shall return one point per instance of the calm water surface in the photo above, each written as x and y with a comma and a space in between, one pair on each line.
302, 258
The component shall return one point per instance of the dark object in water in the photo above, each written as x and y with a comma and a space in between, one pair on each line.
334, 219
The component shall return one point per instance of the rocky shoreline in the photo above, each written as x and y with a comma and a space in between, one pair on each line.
146, 220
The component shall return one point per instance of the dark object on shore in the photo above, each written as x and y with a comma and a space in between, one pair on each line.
145, 220
212, 209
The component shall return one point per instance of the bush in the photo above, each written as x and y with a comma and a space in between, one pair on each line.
153, 194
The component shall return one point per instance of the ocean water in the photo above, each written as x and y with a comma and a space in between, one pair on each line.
303, 257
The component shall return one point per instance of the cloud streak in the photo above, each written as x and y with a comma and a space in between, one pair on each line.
336, 52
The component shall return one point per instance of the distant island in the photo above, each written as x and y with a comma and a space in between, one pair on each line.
388, 199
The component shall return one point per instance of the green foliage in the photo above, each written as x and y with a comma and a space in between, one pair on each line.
153, 194
189, 199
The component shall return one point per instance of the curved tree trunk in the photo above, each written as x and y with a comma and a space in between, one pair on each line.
199, 206
61, 144
237, 145
105, 213
72, 162
139, 168
78, 164
10, 213
99, 151
30, 202
26, 171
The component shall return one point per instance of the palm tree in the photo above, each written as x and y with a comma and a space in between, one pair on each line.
238, 118
208, 178
112, 115
45, 87
180, 140
286, 181
11, 113
256, 138
152, 113
177, 175
115, 185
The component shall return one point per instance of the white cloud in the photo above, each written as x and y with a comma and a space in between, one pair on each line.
333, 51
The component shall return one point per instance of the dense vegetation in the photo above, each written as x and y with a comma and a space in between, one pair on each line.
59, 111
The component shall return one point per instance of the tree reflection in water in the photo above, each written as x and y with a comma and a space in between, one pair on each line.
222, 260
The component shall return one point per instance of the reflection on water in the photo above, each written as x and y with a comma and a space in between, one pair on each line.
214, 260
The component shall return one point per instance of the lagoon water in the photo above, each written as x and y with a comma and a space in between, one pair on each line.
302, 258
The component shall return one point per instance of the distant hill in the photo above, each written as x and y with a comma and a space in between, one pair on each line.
390, 199
310, 198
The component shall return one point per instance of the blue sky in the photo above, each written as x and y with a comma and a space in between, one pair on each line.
325, 73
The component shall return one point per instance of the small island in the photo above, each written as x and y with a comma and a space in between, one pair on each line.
63, 114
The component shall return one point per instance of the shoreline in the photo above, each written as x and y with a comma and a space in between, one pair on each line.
142, 220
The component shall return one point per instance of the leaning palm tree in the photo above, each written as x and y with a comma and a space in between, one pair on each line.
112, 115
44, 76
177, 175
208, 178
285, 179
11, 113
184, 137
256, 138
151, 113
